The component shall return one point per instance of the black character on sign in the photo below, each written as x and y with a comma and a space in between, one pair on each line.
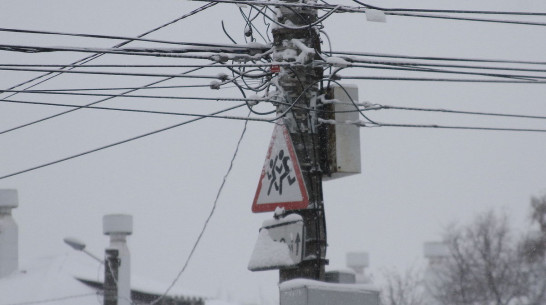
283, 172
272, 176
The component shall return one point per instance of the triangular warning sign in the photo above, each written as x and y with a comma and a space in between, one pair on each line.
281, 183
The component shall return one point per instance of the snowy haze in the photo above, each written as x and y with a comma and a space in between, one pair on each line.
414, 181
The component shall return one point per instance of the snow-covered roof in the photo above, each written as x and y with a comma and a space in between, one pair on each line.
46, 279
72, 278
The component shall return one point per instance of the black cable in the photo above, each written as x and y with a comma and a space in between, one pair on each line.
456, 80
353, 102
251, 25
233, 65
418, 64
172, 53
361, 10
124, 38
307, 26
401, 13
435, 70
227, 34
110, 73
119, 88
95, 56
470, 19
135, 110
380, 107
203, 229
421, 10
439, 58
458, 127
117, 143
197, 98
90, 104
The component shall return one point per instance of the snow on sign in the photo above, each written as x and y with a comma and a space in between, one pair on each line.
279, 245
281, 183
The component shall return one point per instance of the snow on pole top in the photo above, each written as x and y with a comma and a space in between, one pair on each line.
117, 224
8, 198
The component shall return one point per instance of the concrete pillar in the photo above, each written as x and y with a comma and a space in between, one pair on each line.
9, 244
118, 227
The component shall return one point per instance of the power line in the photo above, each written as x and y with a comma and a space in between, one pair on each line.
455, 80
198, 98
446, 17
120, 88
116, 51
455, 127
431, 70
345, 9
130, 88
411, 13
95, 56
119, 142
205, 225
421, 10
90, 104
88, 59
234, 65
109, 73
138, 111
420, 64
250, 46
433, 58
380, 107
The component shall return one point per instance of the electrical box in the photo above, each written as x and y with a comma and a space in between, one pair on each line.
342, 139
309, 292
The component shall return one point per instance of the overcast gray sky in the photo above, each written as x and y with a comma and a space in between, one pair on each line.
414, 181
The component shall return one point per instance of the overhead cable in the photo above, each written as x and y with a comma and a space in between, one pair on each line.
344, 8
109, 73
413, 68
436, 58
171, 53
89, 104
424, 64
233, 65
456, 127
141, 111
198, 98
523, 116
119, 142
205, 224
47, 76
424, 10
455, 80
215, 45
118, 88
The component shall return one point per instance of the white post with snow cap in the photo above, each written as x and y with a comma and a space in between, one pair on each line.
9, 245
118, 226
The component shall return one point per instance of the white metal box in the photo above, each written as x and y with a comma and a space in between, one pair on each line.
343, 153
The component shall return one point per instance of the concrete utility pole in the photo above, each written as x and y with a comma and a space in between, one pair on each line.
111, 273
118, 227
9, 233
300, 83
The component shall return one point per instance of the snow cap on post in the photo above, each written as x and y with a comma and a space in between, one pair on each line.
117, 224
8, 198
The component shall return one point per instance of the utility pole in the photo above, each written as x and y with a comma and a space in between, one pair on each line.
118, 227
111, 272
299, 85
